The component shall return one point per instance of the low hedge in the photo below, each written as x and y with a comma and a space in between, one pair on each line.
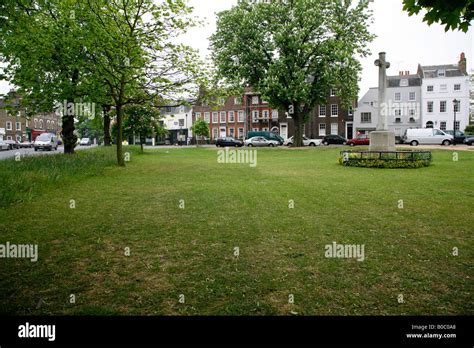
388, 164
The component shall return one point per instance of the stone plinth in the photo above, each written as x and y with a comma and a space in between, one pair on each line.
382, 141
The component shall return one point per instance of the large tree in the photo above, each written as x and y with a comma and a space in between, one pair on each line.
40, 43
142, 121
293, 52
132, 48
454, 14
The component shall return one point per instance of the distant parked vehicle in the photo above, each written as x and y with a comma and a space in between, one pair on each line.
12, 144
25, 144
306, 141
469, 140
4, 146
267, 135
334, 140
261, 142
460, 136
362, 139
426, 136
229, 142
85, 142
46, 141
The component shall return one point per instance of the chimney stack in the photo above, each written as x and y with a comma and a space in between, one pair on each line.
463, 64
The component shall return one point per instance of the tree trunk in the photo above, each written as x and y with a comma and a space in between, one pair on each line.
107, 137
67, 133
120, 158
299, 129
142, 140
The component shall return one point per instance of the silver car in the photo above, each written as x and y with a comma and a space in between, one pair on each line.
46, 141
4, 145
261, 142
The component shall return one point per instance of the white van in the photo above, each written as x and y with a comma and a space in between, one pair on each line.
426, 136
46, 141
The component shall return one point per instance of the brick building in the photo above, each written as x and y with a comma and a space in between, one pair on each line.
242, 114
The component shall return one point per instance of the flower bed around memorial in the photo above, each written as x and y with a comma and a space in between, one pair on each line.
395, 159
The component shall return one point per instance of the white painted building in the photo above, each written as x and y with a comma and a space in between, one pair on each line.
441, 85
177, 120
365, 116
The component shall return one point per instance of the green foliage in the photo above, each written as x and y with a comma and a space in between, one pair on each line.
454, 14
387, 164
142, 121
200, 128
469, 130
293, 52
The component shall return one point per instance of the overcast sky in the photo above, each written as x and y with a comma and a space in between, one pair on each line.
407, 40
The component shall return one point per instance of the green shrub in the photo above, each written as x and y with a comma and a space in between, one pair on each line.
387, 164
469, 130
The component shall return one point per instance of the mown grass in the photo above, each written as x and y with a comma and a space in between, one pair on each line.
190, 251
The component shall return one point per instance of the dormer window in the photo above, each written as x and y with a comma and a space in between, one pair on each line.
403, 83
441, 73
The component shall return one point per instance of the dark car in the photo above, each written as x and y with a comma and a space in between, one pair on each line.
229, 142
460, 136
334, 140
469, 140
362, 139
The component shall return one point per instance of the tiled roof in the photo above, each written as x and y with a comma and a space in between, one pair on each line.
413, 80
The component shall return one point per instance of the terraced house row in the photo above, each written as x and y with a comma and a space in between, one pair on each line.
249, 112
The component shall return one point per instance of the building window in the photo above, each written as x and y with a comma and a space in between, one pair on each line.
18, 138
41, 124
457, 87
207, 117
215, 117
9, 125
48, 124
429, 124
322, 129
241, 116
334, 110
255, 115
223, 117
430, 88
215, 133
350, 112
232, 132
275, 115
430, 106
457, 106
441, 73
334, 128
443, 87
412, 96
442, 106
181, 122
168, 109
412, 120
398, 96
18, 126
264, 129
221, 101
264, 102
241, 133
254, 129
442, 125
332, 92
198, 115
457, 125
366, 117
231, 117
9, 137
398, 120
237, 101
398, 112
36, 123
181, 109
52, 124
322, 110
266, 114
255, 100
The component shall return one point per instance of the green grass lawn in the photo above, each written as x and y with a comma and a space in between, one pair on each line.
190, 251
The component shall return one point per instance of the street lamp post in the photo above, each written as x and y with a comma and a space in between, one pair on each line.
455, 103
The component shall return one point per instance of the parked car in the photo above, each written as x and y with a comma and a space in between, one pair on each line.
306, 141
459, 138
426, 136
12, 144
361, 139
229, 141
267, 135
334, 139
85, 142
469, 140
260, 142
25, 144
46, 141
4, 146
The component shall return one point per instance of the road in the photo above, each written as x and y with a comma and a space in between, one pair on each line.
31, 152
